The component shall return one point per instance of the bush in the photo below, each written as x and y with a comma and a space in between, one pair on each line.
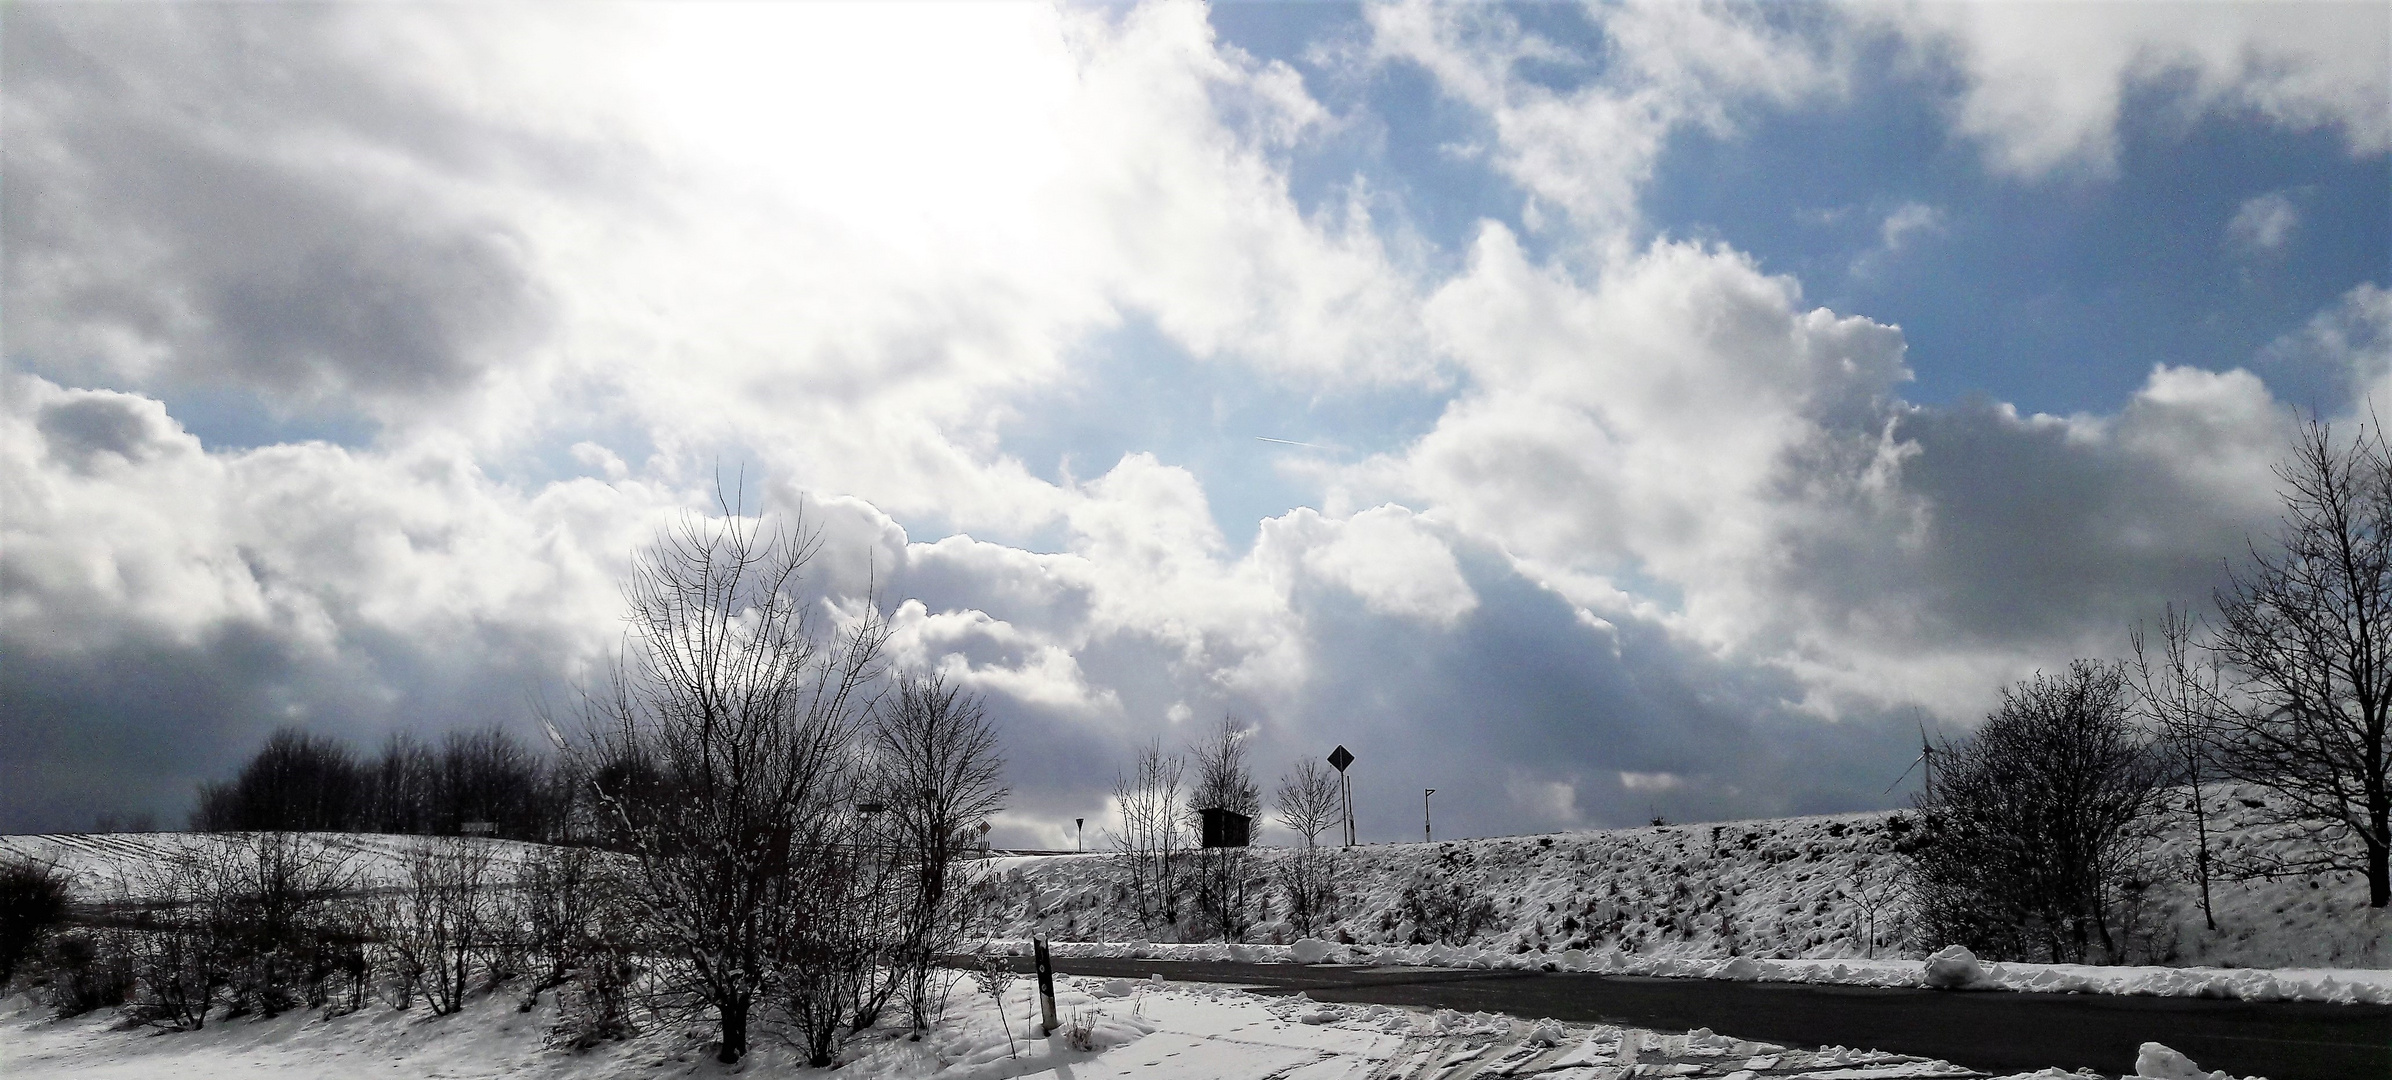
88, 971
569, 910
1307, 877
1452, 912
439, 925
33, 902
2035, 837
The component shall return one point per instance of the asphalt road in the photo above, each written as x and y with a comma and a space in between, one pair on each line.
1993, 1030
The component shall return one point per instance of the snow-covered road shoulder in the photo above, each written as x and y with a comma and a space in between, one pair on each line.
1146, 1029
2334, 985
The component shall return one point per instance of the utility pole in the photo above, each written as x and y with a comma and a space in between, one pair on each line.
1427, 832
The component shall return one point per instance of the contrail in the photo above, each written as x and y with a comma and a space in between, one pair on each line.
1289, 442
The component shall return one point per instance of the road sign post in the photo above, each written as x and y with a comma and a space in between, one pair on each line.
1046, 986
1339, 759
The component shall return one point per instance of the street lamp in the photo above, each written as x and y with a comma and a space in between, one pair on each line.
1426, 832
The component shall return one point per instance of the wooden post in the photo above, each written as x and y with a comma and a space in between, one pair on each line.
1046, 987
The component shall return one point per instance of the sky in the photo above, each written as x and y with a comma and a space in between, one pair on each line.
1591, 412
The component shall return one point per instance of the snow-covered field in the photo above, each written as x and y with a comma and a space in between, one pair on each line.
1784, 894
1143, 1030
103, 866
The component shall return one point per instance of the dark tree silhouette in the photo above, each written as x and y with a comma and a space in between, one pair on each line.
2306, 631
2039, 824
298, 782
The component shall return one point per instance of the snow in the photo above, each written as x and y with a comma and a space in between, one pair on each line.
99, 865
1806, 899
1149, 1030
2336, 985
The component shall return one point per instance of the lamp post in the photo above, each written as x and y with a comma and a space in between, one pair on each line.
1427, 833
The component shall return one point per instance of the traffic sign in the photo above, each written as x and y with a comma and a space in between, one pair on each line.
1340, 758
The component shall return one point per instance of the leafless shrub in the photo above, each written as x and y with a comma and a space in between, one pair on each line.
1448, 911
179, 938
87, 970
437, 927
1153, 835
278, 894
2035, 840
569, 910
33, 903
995, 976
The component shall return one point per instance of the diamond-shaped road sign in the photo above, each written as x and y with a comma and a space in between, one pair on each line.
1340, 758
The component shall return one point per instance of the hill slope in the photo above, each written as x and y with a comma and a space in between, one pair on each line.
1808, 887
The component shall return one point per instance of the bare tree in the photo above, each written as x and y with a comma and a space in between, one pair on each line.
1307, 801
1225, 781
939, 775
721, 749
1224, 776
299, 782
2185, 702
2306, 628
404, 786
1153, 833
490, 776
2037, 831
1308, 805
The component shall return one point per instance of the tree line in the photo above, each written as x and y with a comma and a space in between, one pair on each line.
300, 781
2040, 827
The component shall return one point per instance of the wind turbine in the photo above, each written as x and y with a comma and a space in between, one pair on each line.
1926, 758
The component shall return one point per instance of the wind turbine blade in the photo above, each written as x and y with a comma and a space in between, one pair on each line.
1914, 763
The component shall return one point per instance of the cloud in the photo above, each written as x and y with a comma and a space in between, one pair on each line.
1589, 148
2043, 85
1662, 516
174, 215
1384, 555
2263, 225
1682, 443
1902, 227
165, 606
1653, 781
2348, 347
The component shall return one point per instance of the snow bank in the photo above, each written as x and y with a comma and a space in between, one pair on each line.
1114, 1030
2155, 1061
1806, 888
2337, 985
